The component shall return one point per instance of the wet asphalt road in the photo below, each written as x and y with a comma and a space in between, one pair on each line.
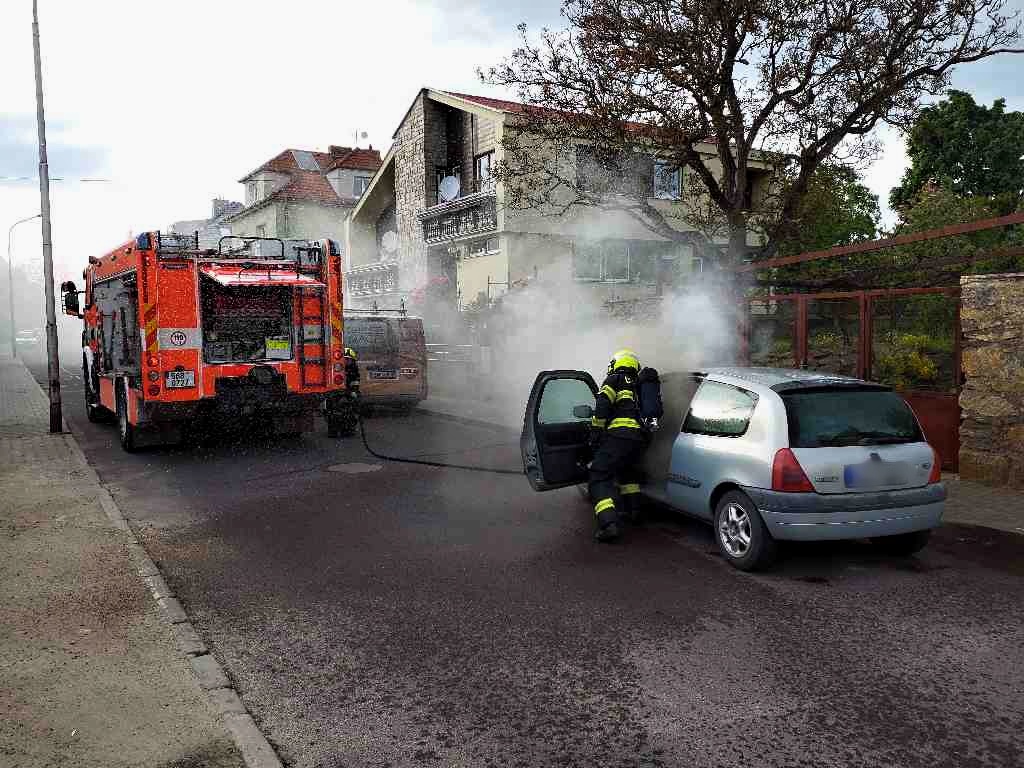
378, 614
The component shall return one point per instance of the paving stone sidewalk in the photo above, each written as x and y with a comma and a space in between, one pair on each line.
90, 674
968, 503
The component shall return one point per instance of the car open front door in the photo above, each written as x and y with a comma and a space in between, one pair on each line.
556, 429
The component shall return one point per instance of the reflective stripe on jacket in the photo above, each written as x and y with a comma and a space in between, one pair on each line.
617, 409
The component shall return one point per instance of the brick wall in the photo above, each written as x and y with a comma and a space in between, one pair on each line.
992, 400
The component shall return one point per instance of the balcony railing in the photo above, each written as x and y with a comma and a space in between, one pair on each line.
469, 215
371, 279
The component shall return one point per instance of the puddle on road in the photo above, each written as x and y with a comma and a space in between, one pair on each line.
355, 468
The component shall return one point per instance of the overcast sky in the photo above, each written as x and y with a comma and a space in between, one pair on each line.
174, 101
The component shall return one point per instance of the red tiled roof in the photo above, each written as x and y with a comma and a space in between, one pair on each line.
310, 185
518, 107
356, 159
486, 101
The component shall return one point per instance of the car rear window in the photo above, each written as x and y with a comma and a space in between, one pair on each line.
849, 416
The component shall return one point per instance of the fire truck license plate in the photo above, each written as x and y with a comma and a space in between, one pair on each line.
180, 379
383, 373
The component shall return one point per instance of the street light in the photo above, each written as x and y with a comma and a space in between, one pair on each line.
10, 276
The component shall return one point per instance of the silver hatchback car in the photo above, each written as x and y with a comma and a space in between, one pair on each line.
763, 454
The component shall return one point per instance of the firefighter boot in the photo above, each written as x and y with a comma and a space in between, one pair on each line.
632, 508
607, 521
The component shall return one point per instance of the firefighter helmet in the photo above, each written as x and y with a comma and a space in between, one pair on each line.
349, 352
624, 358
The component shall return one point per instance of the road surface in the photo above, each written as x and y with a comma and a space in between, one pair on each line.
381, 614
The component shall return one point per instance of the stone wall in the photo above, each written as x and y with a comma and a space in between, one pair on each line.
992, 400
411, 187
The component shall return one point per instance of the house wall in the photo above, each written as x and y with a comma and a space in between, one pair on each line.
305, 220
343, 180
992, 399
411, 189
249, 222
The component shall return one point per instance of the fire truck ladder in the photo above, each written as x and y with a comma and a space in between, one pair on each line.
314, 368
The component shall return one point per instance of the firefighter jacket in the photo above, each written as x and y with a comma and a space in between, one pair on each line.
618, 408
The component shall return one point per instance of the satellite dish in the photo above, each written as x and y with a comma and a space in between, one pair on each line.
389, 242
449, 188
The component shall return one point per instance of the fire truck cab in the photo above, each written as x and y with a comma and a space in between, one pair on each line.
248, 332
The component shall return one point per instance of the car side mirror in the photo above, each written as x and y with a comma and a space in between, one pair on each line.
69, 294
582, 411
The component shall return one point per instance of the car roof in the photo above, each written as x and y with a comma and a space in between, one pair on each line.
778, 379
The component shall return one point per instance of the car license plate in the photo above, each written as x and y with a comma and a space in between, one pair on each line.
383, 373
180, 379
874, 474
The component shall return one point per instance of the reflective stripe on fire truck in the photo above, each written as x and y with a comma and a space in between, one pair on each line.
149, 326
336, 328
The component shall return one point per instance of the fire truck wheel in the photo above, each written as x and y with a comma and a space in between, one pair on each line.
125, 429
95, 412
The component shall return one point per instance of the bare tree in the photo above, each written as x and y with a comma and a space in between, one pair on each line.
724, 89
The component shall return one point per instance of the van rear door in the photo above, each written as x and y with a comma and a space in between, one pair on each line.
556, 429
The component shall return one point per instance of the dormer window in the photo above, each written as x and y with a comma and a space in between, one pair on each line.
251, 193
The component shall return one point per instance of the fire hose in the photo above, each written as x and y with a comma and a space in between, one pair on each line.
427, 463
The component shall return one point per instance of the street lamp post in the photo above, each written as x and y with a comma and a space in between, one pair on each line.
52, 359
10, 277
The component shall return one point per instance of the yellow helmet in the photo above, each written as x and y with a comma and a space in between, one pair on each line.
349, 352
624, 358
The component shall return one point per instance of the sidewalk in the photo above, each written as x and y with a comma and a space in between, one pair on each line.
968, 503
90, 673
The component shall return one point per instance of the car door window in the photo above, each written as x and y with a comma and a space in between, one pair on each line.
558, 399
721, 410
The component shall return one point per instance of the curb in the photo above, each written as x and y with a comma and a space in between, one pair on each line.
468, 420
251, 743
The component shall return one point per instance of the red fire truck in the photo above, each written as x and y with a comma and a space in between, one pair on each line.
250, 331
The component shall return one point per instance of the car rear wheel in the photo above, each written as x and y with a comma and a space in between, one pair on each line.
741, 534
904, 544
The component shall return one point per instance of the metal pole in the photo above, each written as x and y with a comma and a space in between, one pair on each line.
52, 359
10, 278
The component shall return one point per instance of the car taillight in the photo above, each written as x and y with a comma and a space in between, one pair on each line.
936, 473
153, 390
339, 379
153, 375
337, 354
151, 361
788, 475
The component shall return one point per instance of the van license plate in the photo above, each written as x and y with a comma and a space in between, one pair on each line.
180, 379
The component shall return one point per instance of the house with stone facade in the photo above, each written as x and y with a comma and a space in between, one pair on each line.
434, 216
304, 194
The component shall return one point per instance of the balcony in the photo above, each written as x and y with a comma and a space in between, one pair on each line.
469, 215
371, 279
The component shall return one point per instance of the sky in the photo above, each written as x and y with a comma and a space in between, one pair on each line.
173, 101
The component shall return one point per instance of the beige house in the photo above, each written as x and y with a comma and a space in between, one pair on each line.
434, 216
303, 194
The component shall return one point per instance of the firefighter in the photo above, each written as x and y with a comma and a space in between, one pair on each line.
351, 371
619, 442
343, 410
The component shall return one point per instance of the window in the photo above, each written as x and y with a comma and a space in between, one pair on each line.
362, 183
667, 180
618, 261
558, 399
840, 416
250, 193
261, 230
484, 247
720, 410
482, 171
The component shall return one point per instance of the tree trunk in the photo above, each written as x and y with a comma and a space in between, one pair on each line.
737, 239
